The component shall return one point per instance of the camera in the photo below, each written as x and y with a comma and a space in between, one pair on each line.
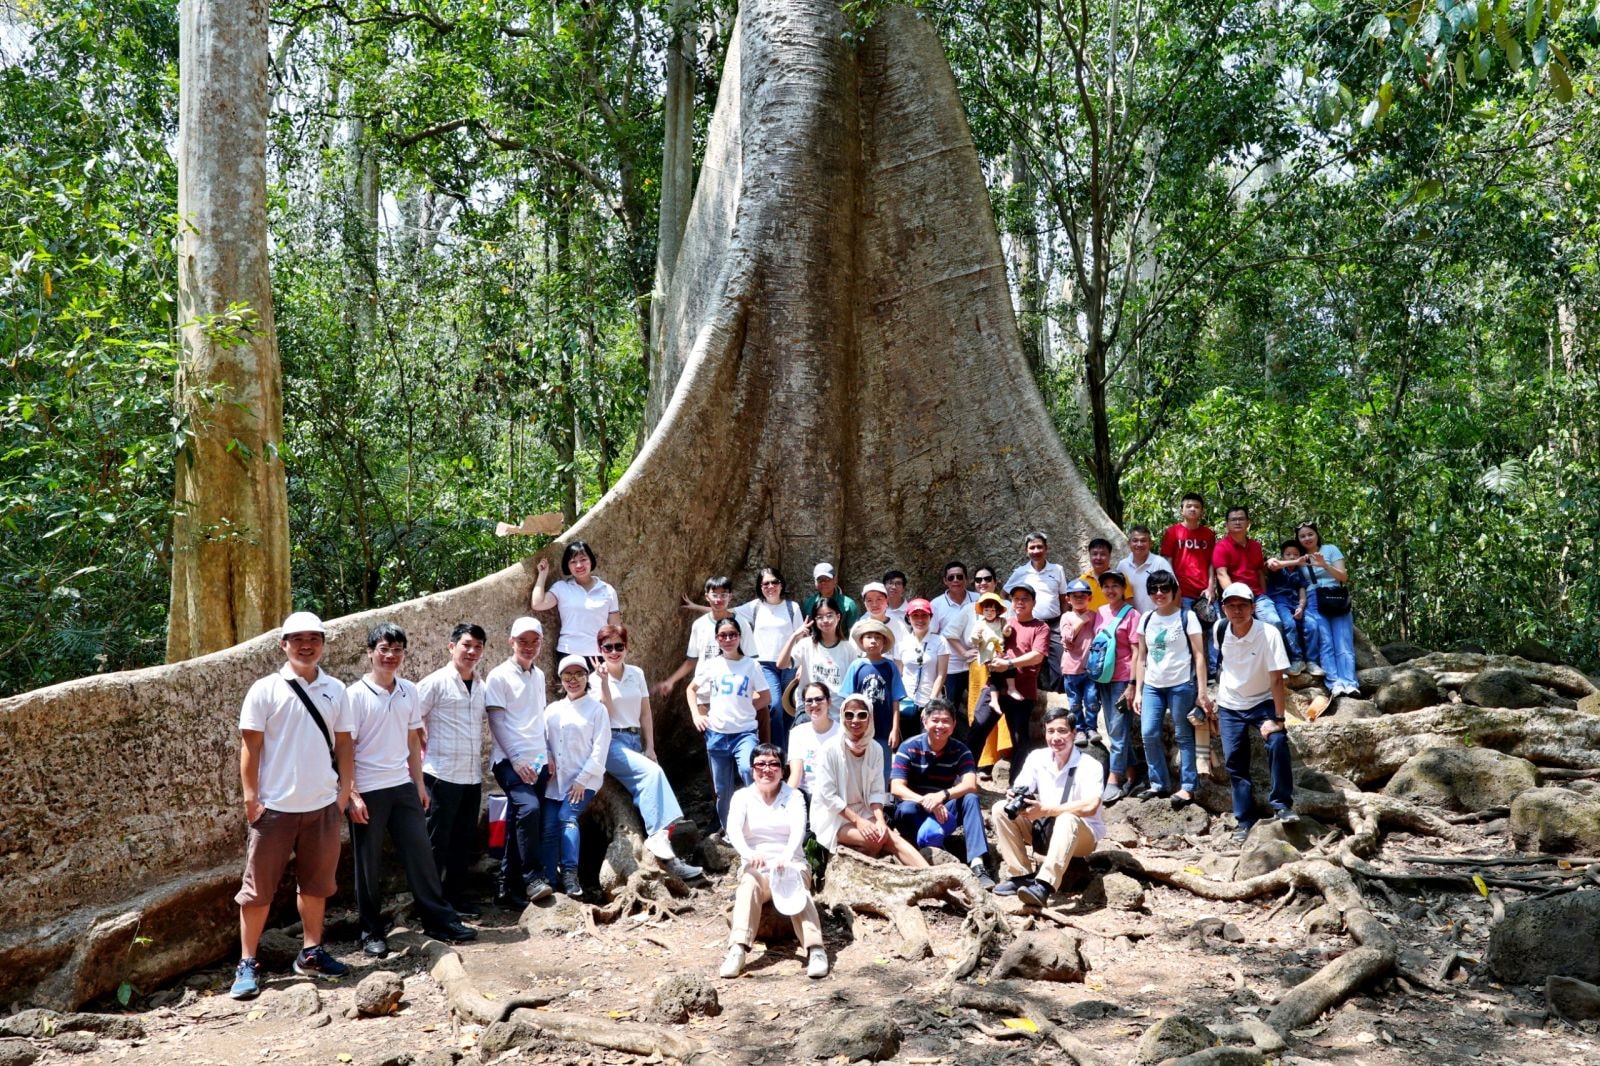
1018, 799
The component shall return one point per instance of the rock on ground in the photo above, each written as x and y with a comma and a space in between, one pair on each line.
1499, 686
1401, 652
1462, 779
678, 996
1539, 938
1223, 1056
1350, 708
1155, 818
379, 994
76, 1042
276, 950
1173, 1037
1572, 999
1407, 690
1122, 892
1043, 956
14, 1051
300, 1001
1556, 820
852, 1034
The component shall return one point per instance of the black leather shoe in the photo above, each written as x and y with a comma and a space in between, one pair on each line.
511, 898
453, 934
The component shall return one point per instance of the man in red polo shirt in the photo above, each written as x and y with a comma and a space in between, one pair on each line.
1238, 557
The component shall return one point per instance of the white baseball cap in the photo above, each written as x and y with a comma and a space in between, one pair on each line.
303, 622
789, 893
570, 661
821, 570
1238, 591
526, 625
873, 586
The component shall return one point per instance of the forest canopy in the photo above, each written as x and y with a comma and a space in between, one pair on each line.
1331, 260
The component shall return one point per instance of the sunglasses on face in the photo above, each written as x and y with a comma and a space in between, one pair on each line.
983, 579
727, 636
766, 766
770, 584
809, 700
856, 716
613, 647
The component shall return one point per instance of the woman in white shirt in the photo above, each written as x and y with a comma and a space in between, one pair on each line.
767, 827
773, 618
583, 599
631, 758
729, 695
1169, 676
924, 657
577, 734
819, 652
806, 740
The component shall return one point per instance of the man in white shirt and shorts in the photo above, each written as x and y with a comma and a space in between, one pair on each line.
296, 769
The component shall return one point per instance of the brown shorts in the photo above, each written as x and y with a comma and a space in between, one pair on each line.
312, 838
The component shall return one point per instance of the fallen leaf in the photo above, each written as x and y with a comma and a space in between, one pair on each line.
1025, 1024
1194, 870
619, 1014
1483, 887
255, 1014
345, 1056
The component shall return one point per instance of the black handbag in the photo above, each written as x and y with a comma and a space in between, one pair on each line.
1333, 601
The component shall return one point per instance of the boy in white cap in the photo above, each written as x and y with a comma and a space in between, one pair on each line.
295, 768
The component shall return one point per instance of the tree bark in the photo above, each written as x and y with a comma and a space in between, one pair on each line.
230, 558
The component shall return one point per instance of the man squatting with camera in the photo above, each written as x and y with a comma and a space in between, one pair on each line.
1052, 809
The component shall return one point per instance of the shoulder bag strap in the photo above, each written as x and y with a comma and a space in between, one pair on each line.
316, 716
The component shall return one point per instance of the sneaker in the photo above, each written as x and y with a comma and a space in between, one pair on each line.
316, 962
1011, 886
570, 885
539, 888
1316, 671
1287, 817
816, 963
981, 872
246, 980
452, 934
1034, 893
1113, 793
1081, 740
1239, 835
733, 962
1298, 667
374, 946
683, 871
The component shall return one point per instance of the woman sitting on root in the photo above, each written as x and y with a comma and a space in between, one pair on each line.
847, 807
767, 827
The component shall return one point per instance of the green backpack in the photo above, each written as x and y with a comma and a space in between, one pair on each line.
1102, 661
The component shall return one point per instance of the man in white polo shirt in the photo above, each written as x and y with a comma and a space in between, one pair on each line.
1138, 565
386, 721
295, 768
452, 766
514, 696
1252, 696
1049, 583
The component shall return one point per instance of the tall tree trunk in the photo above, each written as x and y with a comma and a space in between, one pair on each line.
1025, 263
230, 558
677, 195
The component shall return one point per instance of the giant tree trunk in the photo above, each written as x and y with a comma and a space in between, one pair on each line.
230, 542
853, 390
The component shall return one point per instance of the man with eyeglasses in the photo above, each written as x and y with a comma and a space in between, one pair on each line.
1049, 583
935, 779
514, 699
953, 619
1251, 693
1240, 558
1099, 549
452, 701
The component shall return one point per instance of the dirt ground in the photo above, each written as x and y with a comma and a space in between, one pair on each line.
1145, 964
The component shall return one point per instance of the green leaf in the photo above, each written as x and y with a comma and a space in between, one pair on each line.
124, 993
1534, 19
1560, 84
1377, 29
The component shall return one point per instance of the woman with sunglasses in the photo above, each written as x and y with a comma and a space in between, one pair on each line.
583, 600
767, 827
577, 735
847, 807
729, 694
1169, 676
817, 651
631, 759
807, 739
773, 618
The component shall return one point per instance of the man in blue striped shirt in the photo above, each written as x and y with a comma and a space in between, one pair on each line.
935, 781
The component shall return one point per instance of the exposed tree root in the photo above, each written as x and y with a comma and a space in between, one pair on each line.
1003, 997
467, 1002
858, 884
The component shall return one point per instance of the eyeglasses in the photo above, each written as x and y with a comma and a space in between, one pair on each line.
808, 700
856, 716
613, 647
771, 584
727, 636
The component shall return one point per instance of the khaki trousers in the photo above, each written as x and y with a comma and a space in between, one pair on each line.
1070, 839
754, 891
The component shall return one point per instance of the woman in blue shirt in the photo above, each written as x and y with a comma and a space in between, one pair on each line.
1336, 628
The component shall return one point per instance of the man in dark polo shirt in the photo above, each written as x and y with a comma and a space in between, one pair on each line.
935, 781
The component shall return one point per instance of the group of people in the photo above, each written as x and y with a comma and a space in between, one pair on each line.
864, 724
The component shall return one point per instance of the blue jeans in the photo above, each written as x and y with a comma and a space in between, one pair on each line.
1336, 639
1155, 705
909, 816
524, 851
956, 687
645, 781
1237, 727
1298, 646
1082, 700
561, 833
729, 756
1206, 615
1118, 723
777, 681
